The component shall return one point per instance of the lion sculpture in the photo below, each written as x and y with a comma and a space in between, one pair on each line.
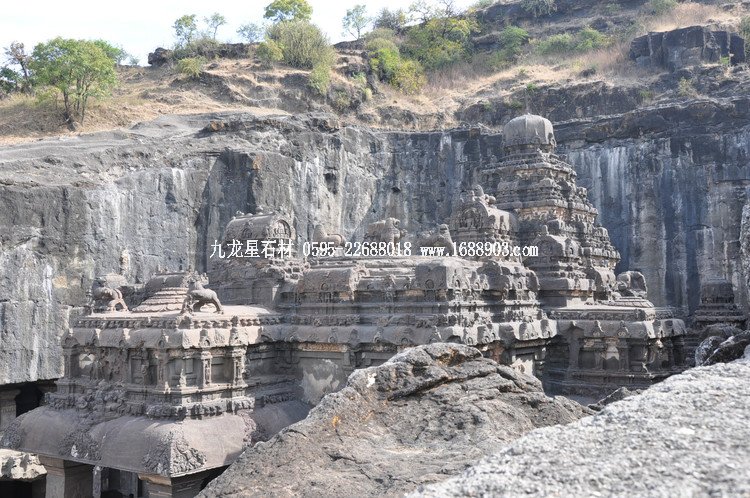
197, 296
320, 235
441, 237
387, 230
106, 298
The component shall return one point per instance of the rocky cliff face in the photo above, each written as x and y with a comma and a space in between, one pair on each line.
669, 182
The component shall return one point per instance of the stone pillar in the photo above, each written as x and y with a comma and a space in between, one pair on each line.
96, 477
66, 479
7, 407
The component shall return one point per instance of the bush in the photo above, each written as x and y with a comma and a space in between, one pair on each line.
590, 39
200, 47
539, 8
269, 52
686, 89
660, 7
556, 44
303, 45
320, 78
745, 28
191, 67
585, 40
408, 76
512, 38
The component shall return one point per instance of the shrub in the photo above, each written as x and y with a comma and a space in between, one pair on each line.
200, 47
745, 28
512, 38
590, 39
686, 89
538, 8
360, 79
367, 93
660, 7
409, 76
269, 52
556, 44
341, 100
384, 63
191, 67
320, 78
585, 40
303, 45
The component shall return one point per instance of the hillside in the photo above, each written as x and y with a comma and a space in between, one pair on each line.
469, 92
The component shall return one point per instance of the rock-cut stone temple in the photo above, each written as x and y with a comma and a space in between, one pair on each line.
166, 383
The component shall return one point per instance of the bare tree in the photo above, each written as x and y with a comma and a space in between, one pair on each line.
16, 54
356, 20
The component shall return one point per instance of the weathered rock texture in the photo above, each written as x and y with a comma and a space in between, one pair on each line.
685, 436
687, 47
422, 416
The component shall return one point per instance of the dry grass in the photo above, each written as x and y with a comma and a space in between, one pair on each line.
687, 14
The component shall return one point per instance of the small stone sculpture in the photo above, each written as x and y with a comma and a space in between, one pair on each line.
387, 230
106, 298
439, 238
320, 235
197, 296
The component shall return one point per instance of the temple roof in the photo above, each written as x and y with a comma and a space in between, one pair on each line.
528, 129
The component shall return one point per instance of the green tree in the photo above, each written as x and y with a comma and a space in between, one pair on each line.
251, 32
440, 41
213, 22
117, 54
185, 29
79, 69
395, 20
288, 10
356, 20
9, 80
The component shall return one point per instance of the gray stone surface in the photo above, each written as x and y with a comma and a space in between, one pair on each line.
422, 416
683, 437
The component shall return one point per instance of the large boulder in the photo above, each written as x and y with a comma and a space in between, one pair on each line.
686, 436
160, 56
419, 418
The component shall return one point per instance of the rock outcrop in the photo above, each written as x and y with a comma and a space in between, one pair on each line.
685, 436
419, 418
686, 47
716, 349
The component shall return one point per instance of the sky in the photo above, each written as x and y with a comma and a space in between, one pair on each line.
139, 26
